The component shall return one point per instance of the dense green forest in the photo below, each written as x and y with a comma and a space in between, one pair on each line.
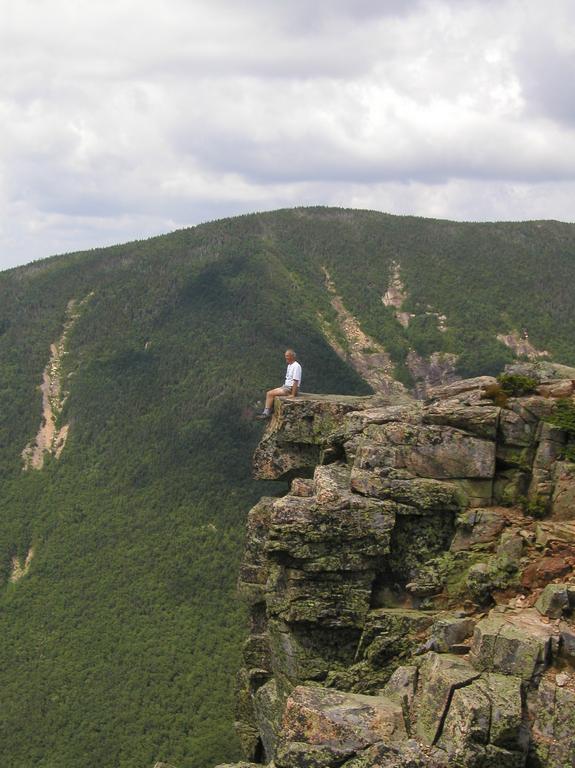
120, 644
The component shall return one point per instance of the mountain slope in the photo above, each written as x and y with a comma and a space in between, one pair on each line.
121, 642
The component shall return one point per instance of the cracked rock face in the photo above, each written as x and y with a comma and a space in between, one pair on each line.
553, 709
322, 726
404, 606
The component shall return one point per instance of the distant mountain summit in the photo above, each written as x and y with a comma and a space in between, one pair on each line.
129, 377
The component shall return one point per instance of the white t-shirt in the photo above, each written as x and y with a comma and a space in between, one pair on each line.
293, 372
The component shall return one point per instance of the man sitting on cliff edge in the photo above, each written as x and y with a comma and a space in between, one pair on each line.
291, 385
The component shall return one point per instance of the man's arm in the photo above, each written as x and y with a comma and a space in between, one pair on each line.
294, 388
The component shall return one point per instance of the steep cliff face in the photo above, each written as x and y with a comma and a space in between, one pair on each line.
410, 597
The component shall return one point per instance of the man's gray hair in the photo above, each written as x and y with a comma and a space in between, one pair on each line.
290, 352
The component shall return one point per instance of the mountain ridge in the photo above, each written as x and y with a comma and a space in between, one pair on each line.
128, 604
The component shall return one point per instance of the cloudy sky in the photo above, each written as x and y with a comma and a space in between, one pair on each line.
120, 119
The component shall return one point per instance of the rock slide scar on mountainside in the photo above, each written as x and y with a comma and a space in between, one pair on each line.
51, 438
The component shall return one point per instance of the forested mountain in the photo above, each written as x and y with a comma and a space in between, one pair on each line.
120, 543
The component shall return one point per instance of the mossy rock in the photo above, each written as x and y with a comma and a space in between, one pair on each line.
417, 540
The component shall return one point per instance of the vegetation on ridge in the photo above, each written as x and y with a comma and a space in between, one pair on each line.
564, 418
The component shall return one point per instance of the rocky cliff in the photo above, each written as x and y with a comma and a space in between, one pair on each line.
411, 596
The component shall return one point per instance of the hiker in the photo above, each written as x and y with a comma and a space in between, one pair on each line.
291, 385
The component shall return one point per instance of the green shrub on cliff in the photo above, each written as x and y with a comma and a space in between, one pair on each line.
564, 418
564, 415
516, 385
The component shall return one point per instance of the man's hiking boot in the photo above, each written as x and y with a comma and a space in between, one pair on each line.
263, 416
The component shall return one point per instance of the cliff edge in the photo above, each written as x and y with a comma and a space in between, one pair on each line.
411, 597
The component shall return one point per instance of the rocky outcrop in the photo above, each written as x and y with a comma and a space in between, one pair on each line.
322, 727
411, 596
544, 372
552, 708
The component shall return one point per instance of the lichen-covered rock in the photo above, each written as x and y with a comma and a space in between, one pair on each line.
551, 441
476, 492
554, 600
517, 428
308, 651
479, 582
415, 542
301, 486
563, 498
439, 676
479, 383
254, 569
322, 727
431, 451
550, 446
553, 731
245, 722
298, 430
330, 598
402, 686
357, 421
550, 532
342, 533
567, 647
391, 634
542, 370
479, 420
499, 571
425, 583
326, 554
331, 482
532, 407
478, 527
268, 708
242, 764
274, 461
484, 718
256, 652
557, 389
312, 418
449, 630
326, 549
510, 485
466, 726
515, 643
422, 494
510, 548
482, 723
409, 754
507, 728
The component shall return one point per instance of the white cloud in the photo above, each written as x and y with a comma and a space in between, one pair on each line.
123, 119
